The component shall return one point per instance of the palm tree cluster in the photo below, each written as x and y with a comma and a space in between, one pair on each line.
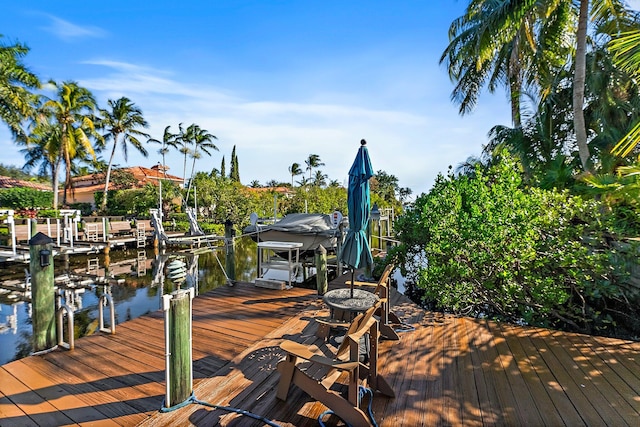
319, 179
62, 126
570, 101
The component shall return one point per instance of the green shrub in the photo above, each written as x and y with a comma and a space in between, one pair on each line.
133, 202
210, 228
487, 245
27, 198
85, 208
48, 213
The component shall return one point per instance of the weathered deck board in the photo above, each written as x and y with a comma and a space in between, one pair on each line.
448, 371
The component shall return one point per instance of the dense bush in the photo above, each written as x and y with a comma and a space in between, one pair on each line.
25, 198
85, 209
486, 245
133, 203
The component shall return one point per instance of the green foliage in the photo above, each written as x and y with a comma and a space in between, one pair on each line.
20, 197
134, 202
486, 245
220, 199
122, 179
14, 172
48, 213
211, 228
316, 200
85, 208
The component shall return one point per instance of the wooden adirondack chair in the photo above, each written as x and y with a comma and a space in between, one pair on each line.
387, 317
347, 359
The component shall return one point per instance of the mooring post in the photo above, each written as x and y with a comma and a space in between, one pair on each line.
179, 377
321, 269
34, 227
230, 260
339, 248
42, 292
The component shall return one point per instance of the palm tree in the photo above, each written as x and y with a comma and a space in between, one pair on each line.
626, 55
320, 179
493, 44
182, 141
493, 24
313, 161
202, 142
168, 140
295, 170
72, 109
123, 119
43, 151
16, 101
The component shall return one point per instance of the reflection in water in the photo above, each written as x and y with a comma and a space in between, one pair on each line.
135, 279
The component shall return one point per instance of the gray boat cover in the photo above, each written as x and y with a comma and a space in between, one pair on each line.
302, 223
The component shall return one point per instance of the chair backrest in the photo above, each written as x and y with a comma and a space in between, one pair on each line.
358, 323
384, 279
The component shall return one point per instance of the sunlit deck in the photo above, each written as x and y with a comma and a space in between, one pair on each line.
449, 371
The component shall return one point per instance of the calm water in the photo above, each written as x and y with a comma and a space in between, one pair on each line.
140, 293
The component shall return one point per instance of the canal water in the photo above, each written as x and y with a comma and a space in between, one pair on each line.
137, 280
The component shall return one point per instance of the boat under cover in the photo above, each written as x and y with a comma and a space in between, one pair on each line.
311, 230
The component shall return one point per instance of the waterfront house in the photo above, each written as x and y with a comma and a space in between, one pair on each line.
84, 187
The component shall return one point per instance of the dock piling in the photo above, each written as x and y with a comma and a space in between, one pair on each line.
33, 227
42, 292
178, 364
230, 259
321, 269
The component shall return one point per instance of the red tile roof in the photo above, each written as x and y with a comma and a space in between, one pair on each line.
95, 182
8, 182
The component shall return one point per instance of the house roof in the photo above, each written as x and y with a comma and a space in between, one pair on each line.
95, 182
8, 182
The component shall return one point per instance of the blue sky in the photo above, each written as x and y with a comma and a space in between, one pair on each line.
278, 79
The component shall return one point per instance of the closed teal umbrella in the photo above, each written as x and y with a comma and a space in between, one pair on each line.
356, 252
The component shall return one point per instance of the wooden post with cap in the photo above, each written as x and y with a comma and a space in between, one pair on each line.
42, 292
230, 259
321, 269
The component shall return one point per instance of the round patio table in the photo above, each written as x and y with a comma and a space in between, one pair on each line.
344, 307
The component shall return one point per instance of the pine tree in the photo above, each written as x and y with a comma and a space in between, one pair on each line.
223, 169
234, 174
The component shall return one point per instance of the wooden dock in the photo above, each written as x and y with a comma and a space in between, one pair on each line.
448, 371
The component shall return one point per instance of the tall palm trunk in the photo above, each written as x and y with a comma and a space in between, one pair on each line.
184, 171
578, 86
515, 84
193, 167
67, 164
108, 177
55, 168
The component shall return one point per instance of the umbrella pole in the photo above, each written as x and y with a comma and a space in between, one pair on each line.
352, 283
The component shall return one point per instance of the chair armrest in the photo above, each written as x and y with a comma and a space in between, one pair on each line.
303, 352
357, 283
334, 323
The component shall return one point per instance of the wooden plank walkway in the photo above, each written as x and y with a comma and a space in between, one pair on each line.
448, 371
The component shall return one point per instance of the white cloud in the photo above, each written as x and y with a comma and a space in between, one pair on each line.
67, 31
